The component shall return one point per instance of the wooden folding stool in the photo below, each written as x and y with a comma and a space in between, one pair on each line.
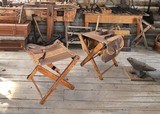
98, 49
46, 55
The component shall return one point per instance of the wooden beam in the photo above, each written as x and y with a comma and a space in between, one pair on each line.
50, 21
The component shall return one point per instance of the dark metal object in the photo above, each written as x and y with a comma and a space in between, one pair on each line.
123, 8
139, 68
107, 33
126, 10
91, 8
149, 18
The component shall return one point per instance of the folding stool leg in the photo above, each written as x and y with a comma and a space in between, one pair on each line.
84, 46
53, 76
114, 64
92, 54
65, 72
96, 69
54, 68
37, 87
44, 71
30, 76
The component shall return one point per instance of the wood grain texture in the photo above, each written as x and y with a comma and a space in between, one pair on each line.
116, 94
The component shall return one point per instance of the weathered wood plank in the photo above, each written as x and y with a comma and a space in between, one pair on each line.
80, 105
104, 96
73, 111
115, 94
107, 111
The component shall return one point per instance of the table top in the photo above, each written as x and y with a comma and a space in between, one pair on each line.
100, 38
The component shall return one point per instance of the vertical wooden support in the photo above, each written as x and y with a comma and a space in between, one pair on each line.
21, 15
138, 27
66, 34
98, 19
50, 21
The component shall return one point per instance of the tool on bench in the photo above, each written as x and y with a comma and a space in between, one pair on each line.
107, 33
126, 9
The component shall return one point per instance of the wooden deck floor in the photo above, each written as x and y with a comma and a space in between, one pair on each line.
116, 94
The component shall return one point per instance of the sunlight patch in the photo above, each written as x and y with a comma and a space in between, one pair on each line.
7, 88
3, 107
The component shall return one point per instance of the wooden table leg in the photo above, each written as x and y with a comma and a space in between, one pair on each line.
66, 33
86, 24
50, 22
138, 27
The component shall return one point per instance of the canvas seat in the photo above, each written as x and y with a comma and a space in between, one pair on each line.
47, 55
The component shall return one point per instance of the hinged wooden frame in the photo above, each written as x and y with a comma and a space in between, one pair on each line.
58, 79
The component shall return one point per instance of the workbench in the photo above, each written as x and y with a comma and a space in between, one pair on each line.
112, 18
44, 12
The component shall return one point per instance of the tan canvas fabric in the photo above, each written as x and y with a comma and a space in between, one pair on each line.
112, 50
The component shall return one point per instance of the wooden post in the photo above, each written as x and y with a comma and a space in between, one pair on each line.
50, 22
66, 33
138, 27
98, 19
